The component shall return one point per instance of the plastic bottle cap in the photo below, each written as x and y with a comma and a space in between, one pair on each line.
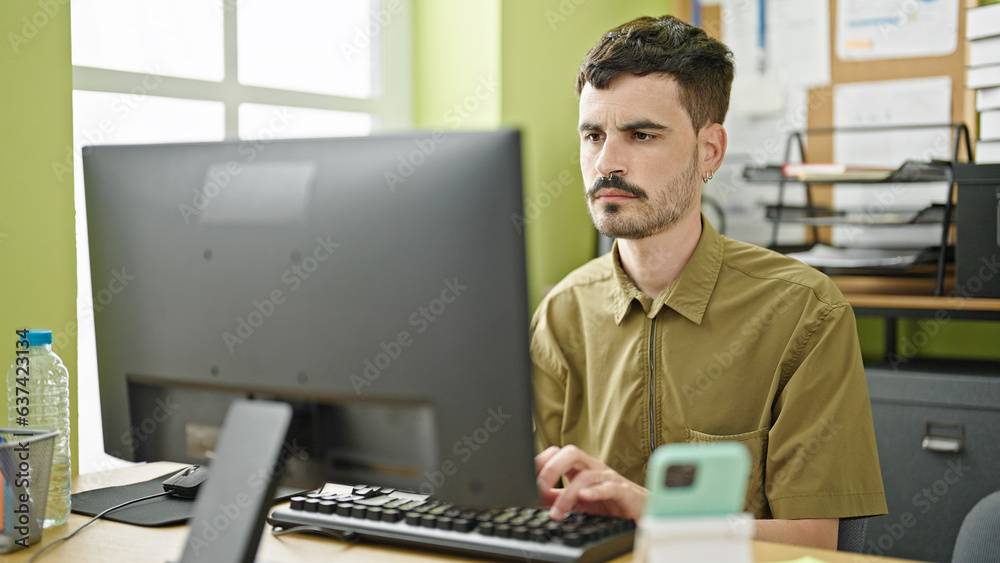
39, 337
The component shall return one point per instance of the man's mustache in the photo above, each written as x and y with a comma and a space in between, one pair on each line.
617, 183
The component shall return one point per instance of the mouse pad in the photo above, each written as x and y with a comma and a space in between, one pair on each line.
160, 511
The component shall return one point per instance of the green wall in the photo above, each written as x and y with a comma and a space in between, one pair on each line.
456, 66
533, 48
37, 231
941, 337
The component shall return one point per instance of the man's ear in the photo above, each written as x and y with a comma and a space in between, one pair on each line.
711, 147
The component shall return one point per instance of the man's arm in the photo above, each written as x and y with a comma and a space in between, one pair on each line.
593, 487
813, 532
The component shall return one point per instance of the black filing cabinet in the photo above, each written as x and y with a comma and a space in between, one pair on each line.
937, 425
977, 244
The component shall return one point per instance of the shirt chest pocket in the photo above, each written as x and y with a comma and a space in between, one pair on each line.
756, 443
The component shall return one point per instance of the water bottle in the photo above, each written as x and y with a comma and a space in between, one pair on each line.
47, 406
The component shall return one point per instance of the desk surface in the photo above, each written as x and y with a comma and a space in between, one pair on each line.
111, 541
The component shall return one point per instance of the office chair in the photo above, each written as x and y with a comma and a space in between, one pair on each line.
979, 537
851, 534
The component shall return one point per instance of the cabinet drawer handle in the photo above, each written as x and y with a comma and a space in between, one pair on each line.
943, 437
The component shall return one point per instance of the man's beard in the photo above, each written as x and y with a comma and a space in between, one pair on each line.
650, 216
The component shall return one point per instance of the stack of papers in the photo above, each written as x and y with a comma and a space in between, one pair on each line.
832, 172
823, 256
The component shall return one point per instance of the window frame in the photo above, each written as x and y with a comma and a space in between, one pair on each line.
390, 105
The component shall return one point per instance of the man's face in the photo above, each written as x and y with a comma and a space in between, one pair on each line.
637, 132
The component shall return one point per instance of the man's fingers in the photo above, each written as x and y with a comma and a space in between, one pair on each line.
542, 458
604, 491
591, 486
619, 497
569, 497
567, 460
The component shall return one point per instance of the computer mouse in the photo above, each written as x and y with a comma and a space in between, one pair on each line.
185, 483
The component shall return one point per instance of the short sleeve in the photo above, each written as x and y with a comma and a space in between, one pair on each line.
822, 460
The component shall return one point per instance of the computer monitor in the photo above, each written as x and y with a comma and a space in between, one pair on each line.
377, 284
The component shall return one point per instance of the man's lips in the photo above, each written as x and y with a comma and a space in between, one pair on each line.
614, 188
612, 194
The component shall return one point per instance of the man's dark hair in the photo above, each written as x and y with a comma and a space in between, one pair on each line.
701, 65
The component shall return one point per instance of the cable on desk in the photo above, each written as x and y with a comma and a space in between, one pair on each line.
92, 520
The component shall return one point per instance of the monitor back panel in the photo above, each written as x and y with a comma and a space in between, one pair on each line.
384, 270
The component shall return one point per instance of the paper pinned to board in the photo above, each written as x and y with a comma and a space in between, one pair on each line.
803, 43
789, 50
890, 29
767, 105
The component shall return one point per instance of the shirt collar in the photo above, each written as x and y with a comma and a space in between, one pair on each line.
688, 294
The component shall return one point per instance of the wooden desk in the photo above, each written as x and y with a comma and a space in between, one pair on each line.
111, 541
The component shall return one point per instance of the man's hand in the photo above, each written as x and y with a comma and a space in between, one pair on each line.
591, 486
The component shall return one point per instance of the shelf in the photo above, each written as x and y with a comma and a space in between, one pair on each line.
821, 216
921, 284
909, 172
949, 172
924, 306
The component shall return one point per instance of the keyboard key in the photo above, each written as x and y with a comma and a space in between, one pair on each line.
396, 503
366, 492
539, 535
440, 509
374, 501
573, 540
424, 507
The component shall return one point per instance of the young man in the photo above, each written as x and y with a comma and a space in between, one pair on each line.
682, 335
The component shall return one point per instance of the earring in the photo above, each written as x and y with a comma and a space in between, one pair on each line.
706, 177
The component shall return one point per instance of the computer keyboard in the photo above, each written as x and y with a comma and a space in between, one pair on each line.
382, 515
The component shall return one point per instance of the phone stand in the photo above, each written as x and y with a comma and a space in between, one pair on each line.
695, 538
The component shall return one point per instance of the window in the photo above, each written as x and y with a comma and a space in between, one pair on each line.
149, 71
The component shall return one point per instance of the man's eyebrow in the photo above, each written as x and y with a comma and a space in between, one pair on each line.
642, 124
630, 126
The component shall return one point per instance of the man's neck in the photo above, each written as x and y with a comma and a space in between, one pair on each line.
653, 263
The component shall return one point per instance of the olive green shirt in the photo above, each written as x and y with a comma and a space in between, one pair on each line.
745, 345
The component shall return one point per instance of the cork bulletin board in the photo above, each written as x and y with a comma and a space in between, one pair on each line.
820, 99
